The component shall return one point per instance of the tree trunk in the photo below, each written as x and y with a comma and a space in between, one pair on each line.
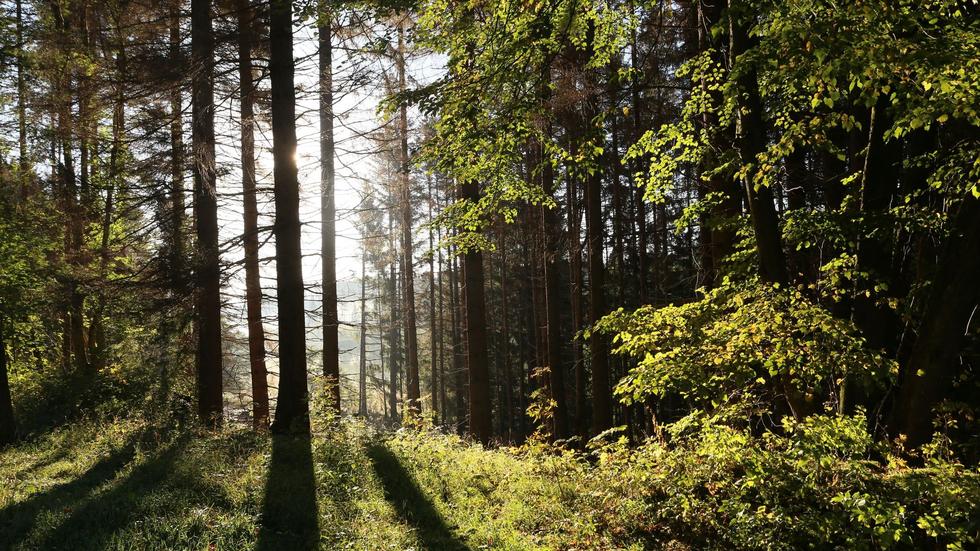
74, 338
599, 349
456, 319
550, 252
393, 338
362, 356
443, 406
414, 406
643, 264
206, 207
22, 160
8, 426
480, 426
433, 327
331, 350
933, 363
253, 284
504, 345
292, 410
175, 219
97, 340
575, 291
721, 240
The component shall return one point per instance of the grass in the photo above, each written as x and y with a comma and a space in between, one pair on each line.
128, 485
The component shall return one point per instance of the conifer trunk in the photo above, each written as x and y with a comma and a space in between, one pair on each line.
328, 211
206, 207
292, 410
253, 284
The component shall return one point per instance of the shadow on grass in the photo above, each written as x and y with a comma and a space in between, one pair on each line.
289, 508
93, 521
411, 504
17, 520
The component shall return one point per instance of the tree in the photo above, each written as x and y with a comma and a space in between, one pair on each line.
208, 290
414, 405
253, 284
932, 365
292, 409
475, 305
8, 425
331, 352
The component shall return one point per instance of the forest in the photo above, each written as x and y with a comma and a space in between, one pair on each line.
489, 274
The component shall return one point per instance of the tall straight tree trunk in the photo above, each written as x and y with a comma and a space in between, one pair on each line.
933, 363
23, 160
362, 360
480, 426
575, 292
393, 337
292, 409
381, 348
456, 319
253, 283
550, 228
8, 426
643, 263
751, 138
206, 205
328, 234
752, 141
433, 327
74, 326
441, 340
414, 406
598, 348
508, 397
721, 239
97, 340
175, 219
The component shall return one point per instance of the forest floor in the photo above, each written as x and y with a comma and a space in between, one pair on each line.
126, 485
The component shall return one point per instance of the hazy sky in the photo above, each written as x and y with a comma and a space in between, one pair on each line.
357, 114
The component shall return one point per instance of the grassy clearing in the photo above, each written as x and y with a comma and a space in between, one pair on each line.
129, 485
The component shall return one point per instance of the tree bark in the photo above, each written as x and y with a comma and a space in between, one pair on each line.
752, 142
575, 292
8, 425
443, 406
456, 320
362, 356
23, 160
433, 327
253, 283
292, 409
414, 405
480, 427
175, 219
598, 347
932, 365
393, 338
550, 228
331, 350
97, 339
206, 206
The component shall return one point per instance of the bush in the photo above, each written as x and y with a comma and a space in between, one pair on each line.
811, 486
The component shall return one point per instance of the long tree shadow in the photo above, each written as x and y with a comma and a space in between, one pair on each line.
94, 521
289, 508
17, 520
412, 505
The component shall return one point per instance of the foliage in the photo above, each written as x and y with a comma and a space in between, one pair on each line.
736, 344
493, 104
714, 487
